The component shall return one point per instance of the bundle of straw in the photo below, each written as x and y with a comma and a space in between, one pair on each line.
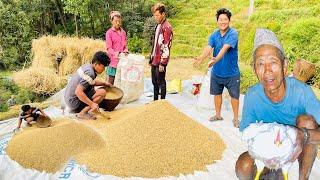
39, 80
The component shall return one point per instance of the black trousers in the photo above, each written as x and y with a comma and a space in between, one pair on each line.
159, 82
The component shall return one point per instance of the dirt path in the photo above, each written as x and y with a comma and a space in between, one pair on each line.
179, 68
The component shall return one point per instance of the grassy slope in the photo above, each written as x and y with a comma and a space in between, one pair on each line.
193, 25
297, 24
196, 21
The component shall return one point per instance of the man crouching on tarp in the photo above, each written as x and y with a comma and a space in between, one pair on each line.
80, 95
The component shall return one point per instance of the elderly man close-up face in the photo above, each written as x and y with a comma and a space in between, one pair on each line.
270, 66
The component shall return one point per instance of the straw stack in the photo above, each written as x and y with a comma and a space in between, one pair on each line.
64, 54
56, 57
39, 80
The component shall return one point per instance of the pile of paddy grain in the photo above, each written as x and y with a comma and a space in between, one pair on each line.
112, 95
153, 140
48, 149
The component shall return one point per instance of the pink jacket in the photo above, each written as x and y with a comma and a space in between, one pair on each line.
116, 43
162, 48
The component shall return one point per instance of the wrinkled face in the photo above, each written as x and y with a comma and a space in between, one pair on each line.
116, 22
158, 16
223, 22
99, 68
269, 69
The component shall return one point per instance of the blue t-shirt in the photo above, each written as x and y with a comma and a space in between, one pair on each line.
299, 99
227, 66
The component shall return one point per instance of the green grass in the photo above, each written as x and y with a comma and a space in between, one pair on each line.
196, 21
293, 21
296, 23
5, 74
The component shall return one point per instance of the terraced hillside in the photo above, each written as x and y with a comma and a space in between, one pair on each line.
297, 24
194, 24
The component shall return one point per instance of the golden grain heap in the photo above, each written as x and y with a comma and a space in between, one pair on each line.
47, 149
153, 140
55, 57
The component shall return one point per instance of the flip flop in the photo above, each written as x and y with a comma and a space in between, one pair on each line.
85, 117
93, 117
272, 174
215, 118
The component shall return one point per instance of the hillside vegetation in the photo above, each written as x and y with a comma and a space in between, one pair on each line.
296, 23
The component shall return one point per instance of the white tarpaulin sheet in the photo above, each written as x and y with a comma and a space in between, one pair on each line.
185, 102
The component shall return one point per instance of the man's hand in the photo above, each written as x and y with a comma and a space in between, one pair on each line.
161, 68
94, 107
299, 145
107, 84
211, 62
16, 130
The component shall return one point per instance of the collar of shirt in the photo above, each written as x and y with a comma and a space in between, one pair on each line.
114, 29
224, 33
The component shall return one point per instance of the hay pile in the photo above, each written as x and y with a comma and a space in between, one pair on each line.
62, 56
39, 80
153, 140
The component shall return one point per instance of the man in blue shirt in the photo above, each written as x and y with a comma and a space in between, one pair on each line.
225, 71
280, 99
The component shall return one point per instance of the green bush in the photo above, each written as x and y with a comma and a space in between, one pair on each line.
136, 44
3, 107
8, 88
148, 32
248, 79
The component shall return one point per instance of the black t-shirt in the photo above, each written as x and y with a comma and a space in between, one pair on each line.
35, 113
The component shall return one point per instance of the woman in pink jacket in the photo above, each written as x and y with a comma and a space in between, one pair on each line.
116, 43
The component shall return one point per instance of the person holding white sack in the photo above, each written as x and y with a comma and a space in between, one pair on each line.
279, 99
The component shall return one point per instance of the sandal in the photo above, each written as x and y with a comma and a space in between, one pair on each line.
236, 123
93, 117
86, 117
215, 118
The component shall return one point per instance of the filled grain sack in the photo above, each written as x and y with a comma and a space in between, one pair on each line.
129, 76
205, 99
